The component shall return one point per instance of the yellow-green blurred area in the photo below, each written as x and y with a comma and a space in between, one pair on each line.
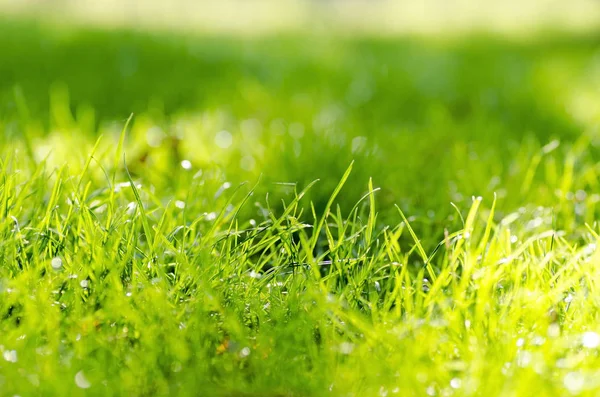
353, 16
436, 101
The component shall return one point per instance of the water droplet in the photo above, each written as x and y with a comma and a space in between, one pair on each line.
346, 348
10, 356
574, 382
591, 340
553, 331
377, 286
81, 381
580, 195
223, 139
456, 383
186, 165
538, 340
568, 299
131, 207
84, 283
180, 204
524, 359
255, 274
245, 352
155, 136
56, 263
589, 249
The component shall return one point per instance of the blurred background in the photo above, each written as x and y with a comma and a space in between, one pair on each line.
379, 16
437, 101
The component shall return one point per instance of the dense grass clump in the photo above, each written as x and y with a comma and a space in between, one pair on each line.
298, 215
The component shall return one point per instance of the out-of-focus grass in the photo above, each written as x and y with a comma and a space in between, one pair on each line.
431, 121
145, 263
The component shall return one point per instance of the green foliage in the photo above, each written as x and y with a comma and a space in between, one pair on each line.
230, 237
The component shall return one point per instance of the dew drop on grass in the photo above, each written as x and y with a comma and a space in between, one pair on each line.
553, 331
245, 352
254, 274
131, 207
377, 286
346, 348
591, 340
580, 195
186, 165
155, 136
223, 139
456, 383
180, 204
524, 359
574, 382
589, 249
56, 263
10, 356
81, 381
538, 340
568, 299
84, 283
430, 390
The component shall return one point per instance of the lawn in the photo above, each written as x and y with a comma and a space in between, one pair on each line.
298, 214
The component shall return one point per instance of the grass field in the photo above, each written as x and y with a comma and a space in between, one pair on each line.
298, 214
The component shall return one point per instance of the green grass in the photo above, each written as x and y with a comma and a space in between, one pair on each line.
448, 244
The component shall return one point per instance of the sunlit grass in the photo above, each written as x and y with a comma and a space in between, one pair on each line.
284, 219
